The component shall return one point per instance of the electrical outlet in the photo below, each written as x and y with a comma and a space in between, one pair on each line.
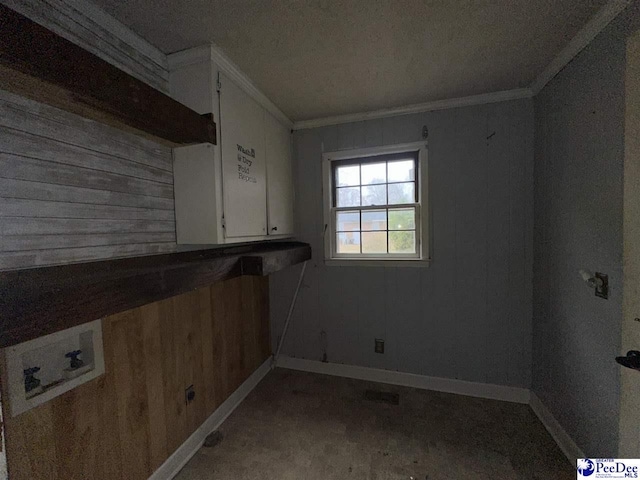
189, 394
379, 345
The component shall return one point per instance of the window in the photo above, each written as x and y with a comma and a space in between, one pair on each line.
375, 205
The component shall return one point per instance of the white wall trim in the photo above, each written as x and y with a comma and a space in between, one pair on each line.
484, 98
593, 27
183, 454
216, 55
190, 56
559, 434
459, 387
170, 468
211, 52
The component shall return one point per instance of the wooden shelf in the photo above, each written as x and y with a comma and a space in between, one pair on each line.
39, 301
39, 64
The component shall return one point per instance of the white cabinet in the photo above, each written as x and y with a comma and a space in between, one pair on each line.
279, 177
240, 189
196, 181
244, 172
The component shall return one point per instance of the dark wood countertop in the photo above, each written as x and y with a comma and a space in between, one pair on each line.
36, 302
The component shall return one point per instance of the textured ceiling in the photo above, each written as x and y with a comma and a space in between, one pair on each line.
317, 58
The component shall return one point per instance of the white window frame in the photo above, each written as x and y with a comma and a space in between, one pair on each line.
422, 257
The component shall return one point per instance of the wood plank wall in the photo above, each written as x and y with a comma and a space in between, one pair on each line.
90, 27
126, 423
74, 190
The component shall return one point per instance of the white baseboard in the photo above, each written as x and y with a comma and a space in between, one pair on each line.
559, 434
460, 387
183, 454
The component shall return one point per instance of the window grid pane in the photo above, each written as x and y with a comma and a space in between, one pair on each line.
348, 221
353, 196
402, 241
374, 195
348, 242
348, 196
374, 220
401, 218
399, 193
373, 173
374, 242
378, 238
401, 171
392, 233
348, 176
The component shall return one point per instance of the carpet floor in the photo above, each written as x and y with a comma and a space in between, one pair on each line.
306, 426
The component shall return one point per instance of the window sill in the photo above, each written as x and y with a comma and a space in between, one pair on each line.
340, 262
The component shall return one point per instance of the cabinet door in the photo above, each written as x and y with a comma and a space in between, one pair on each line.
279, 177
243, 162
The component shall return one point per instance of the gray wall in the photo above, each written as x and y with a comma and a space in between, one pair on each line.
468, 315
72, 189
579, 134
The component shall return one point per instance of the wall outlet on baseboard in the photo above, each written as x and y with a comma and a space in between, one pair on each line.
379, 345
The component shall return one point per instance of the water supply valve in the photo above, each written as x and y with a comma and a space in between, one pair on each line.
30, 381
75, 361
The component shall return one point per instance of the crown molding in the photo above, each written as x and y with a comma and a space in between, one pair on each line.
593, 27
214, 54
190, 56
493, 97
